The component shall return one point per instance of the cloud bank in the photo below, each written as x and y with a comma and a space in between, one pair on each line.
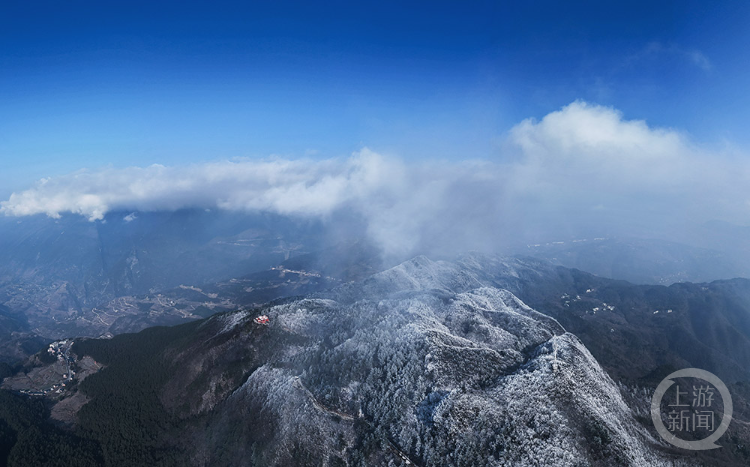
583, 168
284, 186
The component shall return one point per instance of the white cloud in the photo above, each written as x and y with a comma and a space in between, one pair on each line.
581, 167
585, 155
592, 133
585, 146
302, 187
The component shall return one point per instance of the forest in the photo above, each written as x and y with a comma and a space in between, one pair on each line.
123, 424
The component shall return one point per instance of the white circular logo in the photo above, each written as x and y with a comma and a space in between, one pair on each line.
690, 417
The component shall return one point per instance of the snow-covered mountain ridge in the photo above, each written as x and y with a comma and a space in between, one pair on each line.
425, 360
429, 363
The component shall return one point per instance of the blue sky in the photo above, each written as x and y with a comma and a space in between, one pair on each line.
88, 84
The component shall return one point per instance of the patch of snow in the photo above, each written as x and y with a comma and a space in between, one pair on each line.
232, 320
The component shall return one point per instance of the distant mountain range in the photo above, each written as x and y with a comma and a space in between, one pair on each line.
136, 254
54, 273
645, 261
362, 363
71, 277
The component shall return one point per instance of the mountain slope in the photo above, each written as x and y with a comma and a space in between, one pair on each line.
634, 329
419, 363
434, 363
16, 339
466, 379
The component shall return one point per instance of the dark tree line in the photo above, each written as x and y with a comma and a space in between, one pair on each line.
27, 439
